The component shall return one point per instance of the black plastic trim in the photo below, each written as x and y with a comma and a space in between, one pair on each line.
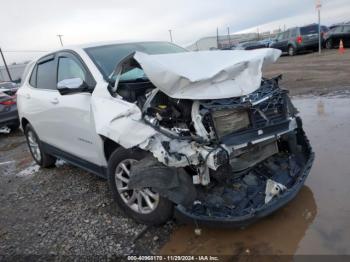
100, 171
251, 134
184, 216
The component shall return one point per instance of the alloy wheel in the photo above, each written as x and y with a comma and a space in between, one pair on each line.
34, 145
142, 201
329, 44
291, 51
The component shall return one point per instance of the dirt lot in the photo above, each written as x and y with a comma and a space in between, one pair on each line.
66, 211
313, 73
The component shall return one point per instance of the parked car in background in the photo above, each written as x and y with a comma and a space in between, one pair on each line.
266, 42
249, 45
8, 105
340, 32
298, 39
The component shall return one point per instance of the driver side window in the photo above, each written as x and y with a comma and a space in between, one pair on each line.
68, 68
280, 36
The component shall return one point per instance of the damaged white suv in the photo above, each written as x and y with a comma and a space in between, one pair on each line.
198, 134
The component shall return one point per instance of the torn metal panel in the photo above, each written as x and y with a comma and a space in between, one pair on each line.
273, 189
120, 121
207, 74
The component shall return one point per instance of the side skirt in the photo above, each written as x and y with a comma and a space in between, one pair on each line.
100, 171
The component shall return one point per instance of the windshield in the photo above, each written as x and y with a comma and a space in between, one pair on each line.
107, 57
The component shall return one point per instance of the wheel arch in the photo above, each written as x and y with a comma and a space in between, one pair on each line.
109, 146
24, 123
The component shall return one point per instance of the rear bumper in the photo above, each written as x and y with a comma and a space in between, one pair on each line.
239, 221
9, 118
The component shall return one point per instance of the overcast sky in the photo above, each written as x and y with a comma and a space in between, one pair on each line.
34, 24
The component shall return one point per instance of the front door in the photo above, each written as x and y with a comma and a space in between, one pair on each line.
73, 123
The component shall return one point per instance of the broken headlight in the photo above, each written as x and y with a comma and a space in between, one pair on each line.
228, 121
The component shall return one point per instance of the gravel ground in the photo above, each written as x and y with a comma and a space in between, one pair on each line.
63, 211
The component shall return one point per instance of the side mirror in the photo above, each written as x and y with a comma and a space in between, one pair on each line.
71, 86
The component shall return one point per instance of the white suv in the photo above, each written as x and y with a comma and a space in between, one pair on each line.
198, 133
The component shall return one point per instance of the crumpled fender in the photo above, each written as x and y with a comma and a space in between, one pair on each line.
119, 120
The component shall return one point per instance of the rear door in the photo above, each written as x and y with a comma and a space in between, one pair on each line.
337, 35
309, 35
37, 99
346, 35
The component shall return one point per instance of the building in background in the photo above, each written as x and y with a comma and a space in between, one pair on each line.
226, 42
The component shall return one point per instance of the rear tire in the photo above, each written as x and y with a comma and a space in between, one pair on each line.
156, 210
35, 147
291, 50
329, 44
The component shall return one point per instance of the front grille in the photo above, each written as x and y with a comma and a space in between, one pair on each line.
238, 120
269, 112
267, 106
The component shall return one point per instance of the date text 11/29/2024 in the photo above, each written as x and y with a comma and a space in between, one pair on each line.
173, 258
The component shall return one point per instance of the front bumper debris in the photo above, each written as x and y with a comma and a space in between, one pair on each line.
219, 216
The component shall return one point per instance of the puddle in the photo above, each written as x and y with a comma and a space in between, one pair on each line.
317, 220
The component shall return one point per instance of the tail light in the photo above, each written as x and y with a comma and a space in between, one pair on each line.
299, 39
11, 101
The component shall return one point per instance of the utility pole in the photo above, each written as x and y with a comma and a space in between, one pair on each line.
318, 7
171, 36
7, 69
60, 37
229, 37
217, 37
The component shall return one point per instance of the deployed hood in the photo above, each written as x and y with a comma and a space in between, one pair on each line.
207, 74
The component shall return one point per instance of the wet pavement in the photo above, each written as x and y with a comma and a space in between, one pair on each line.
317, 221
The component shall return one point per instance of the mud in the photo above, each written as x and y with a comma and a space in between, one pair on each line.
317, 220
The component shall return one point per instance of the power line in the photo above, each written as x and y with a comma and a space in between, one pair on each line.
24, 51
7, 69
60, 37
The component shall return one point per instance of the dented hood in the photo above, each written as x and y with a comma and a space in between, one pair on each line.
207, 74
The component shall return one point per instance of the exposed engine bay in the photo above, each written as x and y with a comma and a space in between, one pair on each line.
219, 158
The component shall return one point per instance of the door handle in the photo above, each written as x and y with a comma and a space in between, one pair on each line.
27, 96
55, 101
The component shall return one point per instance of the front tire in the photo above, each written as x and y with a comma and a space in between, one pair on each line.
145, 206
329, 44
291, 50
36, 149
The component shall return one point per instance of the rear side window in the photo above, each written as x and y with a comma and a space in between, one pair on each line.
346, 29
338, 29
69, 68
32, 80
308, 30
46, 75
279, 36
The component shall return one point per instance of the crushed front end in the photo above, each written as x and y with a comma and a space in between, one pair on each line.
224, 161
